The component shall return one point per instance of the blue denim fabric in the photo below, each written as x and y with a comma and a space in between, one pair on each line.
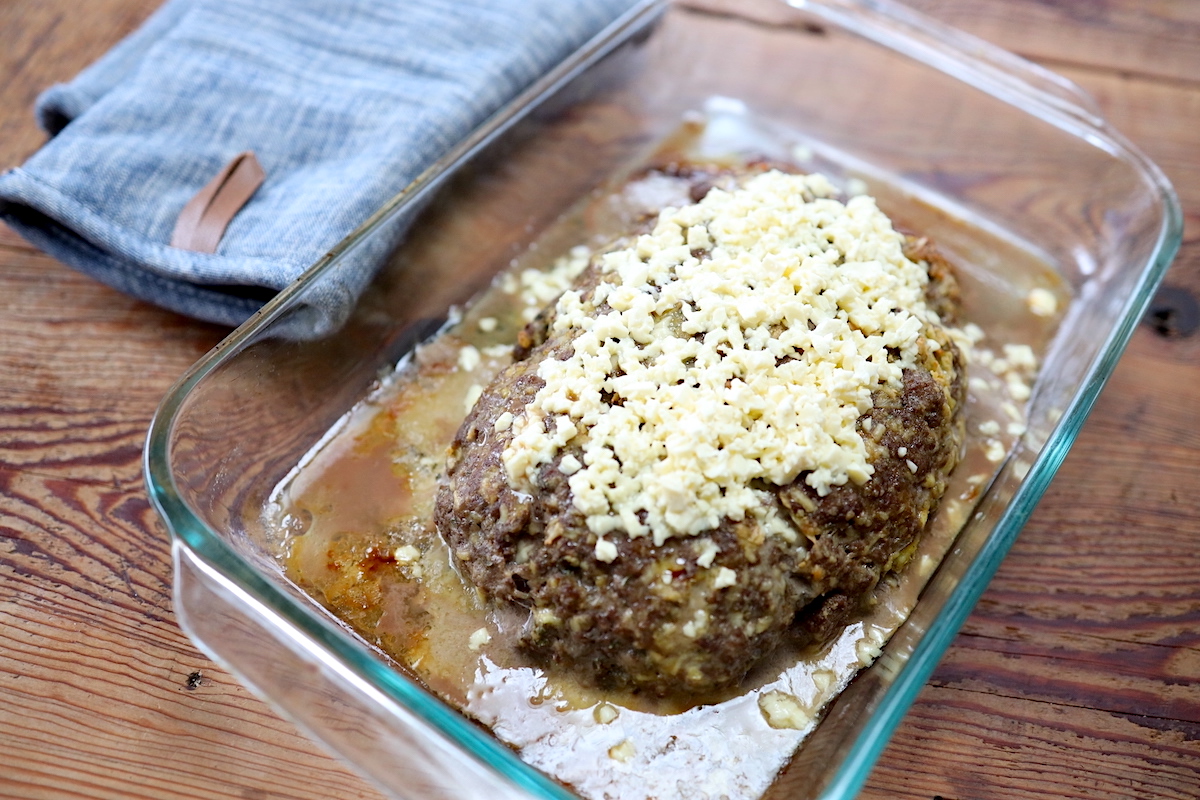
342, 101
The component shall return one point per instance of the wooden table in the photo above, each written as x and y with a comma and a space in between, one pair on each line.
1078, 675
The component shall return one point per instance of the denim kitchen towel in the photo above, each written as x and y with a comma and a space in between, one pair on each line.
342, 101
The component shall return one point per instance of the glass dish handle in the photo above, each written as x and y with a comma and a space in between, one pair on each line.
962, 55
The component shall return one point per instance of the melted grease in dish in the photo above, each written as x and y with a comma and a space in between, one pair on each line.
370, 554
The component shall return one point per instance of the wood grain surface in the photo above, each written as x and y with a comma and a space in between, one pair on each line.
1078, 675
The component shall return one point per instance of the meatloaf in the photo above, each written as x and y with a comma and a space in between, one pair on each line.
661, 613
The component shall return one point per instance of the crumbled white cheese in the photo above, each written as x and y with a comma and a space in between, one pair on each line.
488, 324
802, 153
754, 364
725, 578
406, 554
856, 186
1041, 302
994, 451
479, 638
509, 283
474, 392
1015, 369
623, 751
538, 287
966, 338
569, 465
708, 551
1020, 356
605, 713
867, 651
545, 617
1017, 387
696, 625
503, 422
783, 710
876, 635
989, 427
497, 350
606, 551
468, 358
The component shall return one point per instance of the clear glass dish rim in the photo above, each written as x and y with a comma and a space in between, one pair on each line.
1027, 87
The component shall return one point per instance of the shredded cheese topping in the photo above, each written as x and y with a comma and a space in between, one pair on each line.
739, 341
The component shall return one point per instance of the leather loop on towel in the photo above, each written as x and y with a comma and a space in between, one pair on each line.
202, 222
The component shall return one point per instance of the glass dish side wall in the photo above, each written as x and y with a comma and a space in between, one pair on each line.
250, 411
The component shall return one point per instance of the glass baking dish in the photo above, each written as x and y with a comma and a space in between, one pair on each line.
955, 128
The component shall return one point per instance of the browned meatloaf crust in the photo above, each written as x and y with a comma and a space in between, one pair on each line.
619, 624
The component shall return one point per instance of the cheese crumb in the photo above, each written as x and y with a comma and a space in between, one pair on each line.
1020, 356
569, 465
994, 451
802, 153
725, 578
606, 551
696, 625
1018, 389
856, 186
752, 365
783, 710
539, 287
623, 751
479, 638
1041, 302
545, 617
503, 422
867, 650
406, 554
474, 392
605, 713
497, 350
488, 324
468, 358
